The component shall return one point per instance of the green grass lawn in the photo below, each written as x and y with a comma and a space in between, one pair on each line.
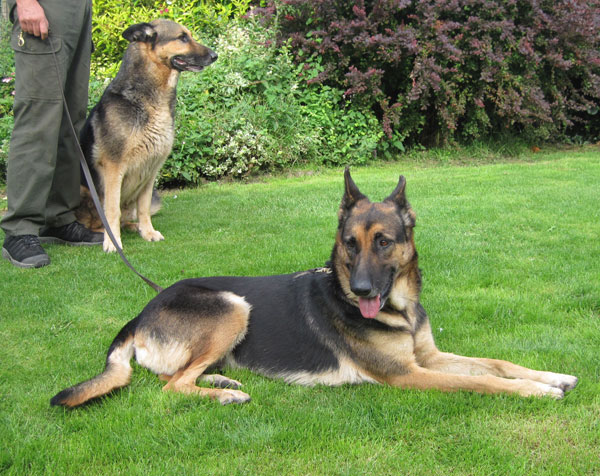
510, 254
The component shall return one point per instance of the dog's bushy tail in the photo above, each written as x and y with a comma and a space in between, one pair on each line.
117, 372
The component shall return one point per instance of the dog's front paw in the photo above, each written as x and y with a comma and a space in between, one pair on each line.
108, 245
563, 381
530, 388
151, 235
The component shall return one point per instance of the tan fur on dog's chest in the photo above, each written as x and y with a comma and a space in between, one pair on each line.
148, 149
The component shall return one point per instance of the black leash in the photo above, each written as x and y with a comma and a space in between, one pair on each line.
88, 177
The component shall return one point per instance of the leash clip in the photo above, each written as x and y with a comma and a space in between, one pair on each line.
21, 40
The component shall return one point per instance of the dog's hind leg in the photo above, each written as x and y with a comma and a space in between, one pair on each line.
215, 380
221, 381
202, 341
184, 381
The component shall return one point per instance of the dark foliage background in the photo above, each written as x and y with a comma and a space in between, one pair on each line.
332, 82
455, 70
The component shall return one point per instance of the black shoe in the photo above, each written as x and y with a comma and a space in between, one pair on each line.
24, 251
74, 234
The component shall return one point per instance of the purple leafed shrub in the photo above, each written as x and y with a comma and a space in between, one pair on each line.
455, 70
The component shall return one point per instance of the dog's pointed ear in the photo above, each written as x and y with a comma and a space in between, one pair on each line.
351, 195
351, 192
398, 197
143, 32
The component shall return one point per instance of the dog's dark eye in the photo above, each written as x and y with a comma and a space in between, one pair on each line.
184, 38
351, 243
384, 242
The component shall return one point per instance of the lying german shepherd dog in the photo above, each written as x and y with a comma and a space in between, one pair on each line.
358, 320
129, 133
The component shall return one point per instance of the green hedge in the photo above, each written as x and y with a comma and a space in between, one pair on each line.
259, 107
246, 113
249, 112
6, 91
442, 72
206, 18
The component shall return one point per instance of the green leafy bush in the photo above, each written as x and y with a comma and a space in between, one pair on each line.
349, 133
205, 18
251, 111
7, 79
5, 131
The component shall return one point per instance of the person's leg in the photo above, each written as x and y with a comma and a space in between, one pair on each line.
38, 111
30, 168
64, 196
74, 31
36, 174
32, 155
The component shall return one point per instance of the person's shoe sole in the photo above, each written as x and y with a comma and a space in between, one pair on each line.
52, 240
44, 260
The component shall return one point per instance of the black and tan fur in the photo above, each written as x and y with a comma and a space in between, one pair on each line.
357, 320
129, 133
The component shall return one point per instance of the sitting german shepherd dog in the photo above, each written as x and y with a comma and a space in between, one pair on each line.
358, 320
129, 133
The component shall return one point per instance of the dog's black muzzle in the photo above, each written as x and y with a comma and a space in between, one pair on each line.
372, 291
194, 62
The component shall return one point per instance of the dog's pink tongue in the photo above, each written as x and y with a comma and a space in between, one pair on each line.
369, 307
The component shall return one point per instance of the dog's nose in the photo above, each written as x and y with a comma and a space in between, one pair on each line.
361, 287
213, 56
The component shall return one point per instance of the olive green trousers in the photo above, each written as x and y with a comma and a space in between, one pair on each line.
43, 173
